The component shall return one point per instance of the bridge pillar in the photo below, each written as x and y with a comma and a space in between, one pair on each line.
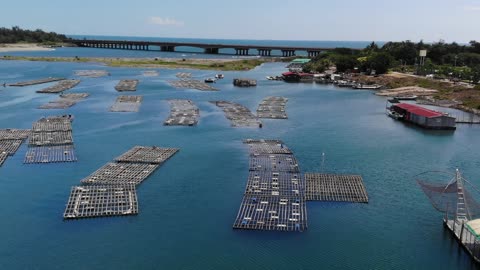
212, 50
264, 52
288, 53
167, 48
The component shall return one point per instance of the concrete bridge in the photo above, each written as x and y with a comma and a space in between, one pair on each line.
243, 49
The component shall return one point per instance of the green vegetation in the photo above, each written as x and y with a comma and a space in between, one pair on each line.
444, 60
18, 35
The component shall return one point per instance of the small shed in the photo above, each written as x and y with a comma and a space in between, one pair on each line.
424, 117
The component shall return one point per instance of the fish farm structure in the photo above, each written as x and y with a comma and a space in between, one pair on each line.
51, 141
127, 104
92, 73
276, 193
192, 84
35, 82
422, 117
10, 141
273, 107
65, 101
458, 200
239, 115
127, 85
60, 87
182, 113
244, 82
111, 190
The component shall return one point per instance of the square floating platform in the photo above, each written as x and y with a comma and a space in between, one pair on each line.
50, 154
280, 184
127, 104
10, 146
52, 124
150, 155
101, 201
274, 163
336, 188
272, 214
51, 138
261, 147
121, 174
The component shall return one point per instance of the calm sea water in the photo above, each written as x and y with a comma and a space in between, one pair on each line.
188, 206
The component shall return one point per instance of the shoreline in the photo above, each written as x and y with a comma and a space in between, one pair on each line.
177, 63
23, 47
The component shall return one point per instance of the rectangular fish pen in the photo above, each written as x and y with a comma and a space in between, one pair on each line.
127, 104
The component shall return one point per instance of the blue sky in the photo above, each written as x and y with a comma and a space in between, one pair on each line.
451, 20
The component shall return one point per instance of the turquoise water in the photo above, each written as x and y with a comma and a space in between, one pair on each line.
188, 206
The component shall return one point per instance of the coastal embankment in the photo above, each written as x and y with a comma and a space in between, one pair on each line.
23, 47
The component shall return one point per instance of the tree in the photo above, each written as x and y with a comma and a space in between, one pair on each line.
344, 62
380, 62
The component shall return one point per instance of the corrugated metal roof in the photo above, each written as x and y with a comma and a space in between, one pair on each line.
412, 108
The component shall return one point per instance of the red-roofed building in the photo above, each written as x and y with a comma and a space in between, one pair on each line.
297, 77
423, 117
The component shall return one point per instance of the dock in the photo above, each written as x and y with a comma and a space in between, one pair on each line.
92, 73
183, 112
192, 84
127, 104
65, 101
238, 115
150, 73
335, 188
51, 141
274, 197
35, 82
126, 85
244, 82
111, 190
60, 87
100, 201
10, 141
273, 107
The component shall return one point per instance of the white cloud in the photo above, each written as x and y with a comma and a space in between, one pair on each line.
472, 8
164, 21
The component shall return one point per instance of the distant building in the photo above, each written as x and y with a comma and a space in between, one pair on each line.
424, 117
297, 64
297, 77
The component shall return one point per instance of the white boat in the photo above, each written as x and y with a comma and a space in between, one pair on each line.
394, 115
219, 76
210, 80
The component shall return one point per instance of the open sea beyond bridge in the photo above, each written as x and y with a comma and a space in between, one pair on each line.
187, 207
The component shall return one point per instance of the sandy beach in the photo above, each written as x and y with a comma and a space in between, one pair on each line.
22, 48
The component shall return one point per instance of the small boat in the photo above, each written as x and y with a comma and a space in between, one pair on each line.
270, 78
406, 98
394, 115
219, 76
210, 80
367, 87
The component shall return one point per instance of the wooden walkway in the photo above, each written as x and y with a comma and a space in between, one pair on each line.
127, 104
3, 157
238, 115
51, 141
65, 101
126, 85
101, 201
464, 237
336, 188
14, 134
35, 82
274, 197
182, 113
60, 87
273, 107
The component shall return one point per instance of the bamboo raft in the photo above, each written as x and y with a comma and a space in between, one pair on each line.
10, 141
121, 173
101, 201
127, 104
150, 73
65, 101
92, 73
273, 107
182, 113
51, 141
50, 154
14, 134
60, 87
273, 199
184, 75
150, 155
35, 82
192, 84
336, 188
238, 115
126, 85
